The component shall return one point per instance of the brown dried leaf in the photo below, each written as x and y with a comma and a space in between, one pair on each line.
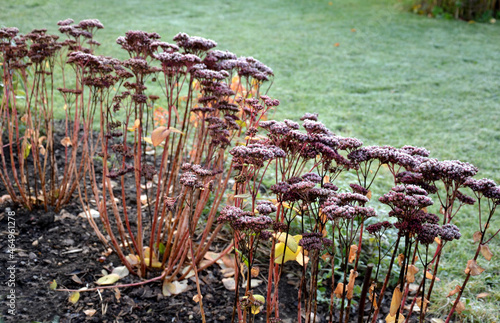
197, 298
424, 305
473, 268
401, 257
477, 236
350, 285
66, 142
460, 307
255, 271
338, 290
159, 134
369, 195
453, 292
76, 279
396, 301
412, 270
352, 253
428, 275
392, 318
486, 252
483, 295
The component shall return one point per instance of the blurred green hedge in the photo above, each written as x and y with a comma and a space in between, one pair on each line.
478, 10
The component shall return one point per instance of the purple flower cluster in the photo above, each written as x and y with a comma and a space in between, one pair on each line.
428, 233
385, 155
450, 232
447, 170
251, 67
240, 220
265, 207
194, 44
379, 227
138, 43
406, 197
256, 154
314, 241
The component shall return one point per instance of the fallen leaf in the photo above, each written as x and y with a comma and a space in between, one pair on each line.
453, 292
395, 302
337, 44
74, 297
121, 271
118, 295
486, 252
197, 298
89, 312
108, 279
174, 288
255, 271
229, 283
259, 301
53, 285
352, 253
460, 307
483, 295
76, 279
255, 283
435, 320
473, 268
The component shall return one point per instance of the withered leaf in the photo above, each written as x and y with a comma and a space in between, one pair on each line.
486, 252
350, 285
412, 270
352, 253
159, 134
477, 236
396, 301
453, 292
460, 307
473, 268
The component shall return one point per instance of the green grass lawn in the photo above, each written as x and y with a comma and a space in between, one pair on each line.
370, 68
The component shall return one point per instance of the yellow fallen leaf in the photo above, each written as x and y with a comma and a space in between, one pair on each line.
108, 279
74, 297
483, 295
89, 312
53, 285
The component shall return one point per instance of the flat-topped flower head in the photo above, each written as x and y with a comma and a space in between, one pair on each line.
428, 233
314, 241
379, 227
447, 170
310, 116
450, 232
65, 22
479, 185
265, 207
90, 24
194, 44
